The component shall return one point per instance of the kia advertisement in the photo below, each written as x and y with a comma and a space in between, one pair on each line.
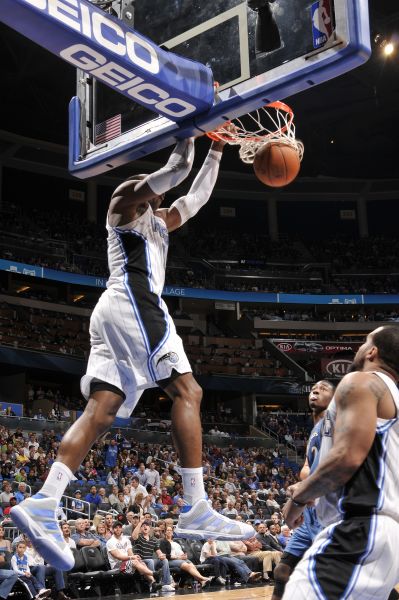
295, 347
335, 368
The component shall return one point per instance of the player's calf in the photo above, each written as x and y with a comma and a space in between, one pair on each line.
282, 574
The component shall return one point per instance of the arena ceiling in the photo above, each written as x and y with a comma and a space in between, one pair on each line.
350, 126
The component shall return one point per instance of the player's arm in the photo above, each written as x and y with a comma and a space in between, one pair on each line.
305, 471
357, 399
187, 206
132, 193
137, 529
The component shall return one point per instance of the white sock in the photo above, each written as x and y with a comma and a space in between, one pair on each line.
58, 479
193, 484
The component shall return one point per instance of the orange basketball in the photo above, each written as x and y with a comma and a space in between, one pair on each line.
276, 164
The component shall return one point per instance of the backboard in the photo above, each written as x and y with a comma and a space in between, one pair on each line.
258, 50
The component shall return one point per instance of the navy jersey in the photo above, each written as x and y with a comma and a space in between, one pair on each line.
303, 536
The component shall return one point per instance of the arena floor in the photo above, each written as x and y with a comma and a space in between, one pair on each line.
228, 593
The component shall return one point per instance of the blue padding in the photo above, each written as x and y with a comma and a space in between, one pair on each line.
74, 132
98, 43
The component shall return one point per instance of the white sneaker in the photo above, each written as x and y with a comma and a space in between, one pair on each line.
202, 523
36, 516
167, 588
44, 593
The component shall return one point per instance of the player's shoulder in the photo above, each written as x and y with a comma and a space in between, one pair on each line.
359, 382
357, 378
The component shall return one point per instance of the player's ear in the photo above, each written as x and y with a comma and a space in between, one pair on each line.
372, 354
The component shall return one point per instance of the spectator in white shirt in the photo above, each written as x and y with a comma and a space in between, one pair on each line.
141, 474
230, 511
121, 556
7, 493
66, 532
229, 486
136, 487
152, 475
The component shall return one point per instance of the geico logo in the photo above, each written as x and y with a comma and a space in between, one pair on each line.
96, 25
118, 77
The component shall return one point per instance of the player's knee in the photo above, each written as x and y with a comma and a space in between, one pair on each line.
196, 393
282, 573
186, 389
102, 410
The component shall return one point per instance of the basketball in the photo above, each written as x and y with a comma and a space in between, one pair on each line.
276, 164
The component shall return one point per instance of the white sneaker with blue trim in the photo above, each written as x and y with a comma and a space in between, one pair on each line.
37, 518
202, 523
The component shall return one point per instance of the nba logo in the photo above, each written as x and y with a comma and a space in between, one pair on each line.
192, 481
322, 22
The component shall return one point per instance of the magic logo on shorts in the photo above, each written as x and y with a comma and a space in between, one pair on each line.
171, 357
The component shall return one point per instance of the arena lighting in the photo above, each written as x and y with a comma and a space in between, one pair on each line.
386, 46
22, 289
389, 49
78, 298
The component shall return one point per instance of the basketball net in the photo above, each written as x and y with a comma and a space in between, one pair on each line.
266, 125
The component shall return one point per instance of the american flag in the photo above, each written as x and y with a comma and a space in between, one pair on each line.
108, 130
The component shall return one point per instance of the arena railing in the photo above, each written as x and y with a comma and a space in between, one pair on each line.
68, 509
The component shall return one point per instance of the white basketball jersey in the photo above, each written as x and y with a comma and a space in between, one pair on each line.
374, 488
138, 251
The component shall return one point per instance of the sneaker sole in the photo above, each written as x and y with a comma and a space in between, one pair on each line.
48, 549
202, 534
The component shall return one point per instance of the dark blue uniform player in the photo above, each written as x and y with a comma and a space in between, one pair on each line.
319, 398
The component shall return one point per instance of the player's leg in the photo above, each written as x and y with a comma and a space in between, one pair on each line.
354, 558
98, 416
37, 516
186, 427
299, 543
377, 575
201, 521
282, 574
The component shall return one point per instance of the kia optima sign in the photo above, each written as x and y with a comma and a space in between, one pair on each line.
315, 347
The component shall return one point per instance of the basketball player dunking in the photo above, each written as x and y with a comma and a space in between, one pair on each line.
319, 398
355, 557
134, 346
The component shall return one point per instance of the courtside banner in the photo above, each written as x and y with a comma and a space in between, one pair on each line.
172, 290
106, 48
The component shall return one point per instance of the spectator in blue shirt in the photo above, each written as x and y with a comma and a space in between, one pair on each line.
93, 497
284, 536
77, 505
21, 493
111, 455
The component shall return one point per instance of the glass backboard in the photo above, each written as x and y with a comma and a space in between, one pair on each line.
258, 50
